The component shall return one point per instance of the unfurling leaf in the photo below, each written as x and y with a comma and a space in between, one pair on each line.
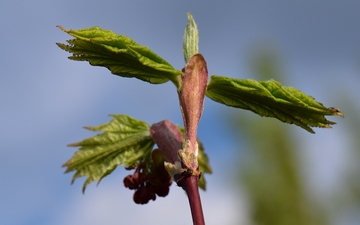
270, 99
125, 141
120, 54
191, 39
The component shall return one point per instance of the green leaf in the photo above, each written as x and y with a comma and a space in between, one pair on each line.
270, 99
120, 54
191, 39
204, 165
124, 141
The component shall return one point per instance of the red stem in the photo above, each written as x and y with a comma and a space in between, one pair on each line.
190, 185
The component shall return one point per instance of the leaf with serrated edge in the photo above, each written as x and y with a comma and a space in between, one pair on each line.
120, 54
271, 99
124, 141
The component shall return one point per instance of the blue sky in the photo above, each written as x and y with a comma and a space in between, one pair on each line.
46, 99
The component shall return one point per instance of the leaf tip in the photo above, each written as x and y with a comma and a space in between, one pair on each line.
88, 128
83, 189
65, 165
73, 144
61, 28
310, 130
336, 112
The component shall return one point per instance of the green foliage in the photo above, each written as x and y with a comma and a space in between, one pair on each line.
271, 170
204, 165
125, 141
270, 99
191, 39
120, 54
124, 57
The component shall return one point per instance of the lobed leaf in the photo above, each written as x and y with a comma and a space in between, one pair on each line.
271, 99
120, 54
125, 141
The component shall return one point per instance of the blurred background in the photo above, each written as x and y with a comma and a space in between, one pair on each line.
265, 172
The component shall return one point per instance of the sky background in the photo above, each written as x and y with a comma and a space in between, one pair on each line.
46, 99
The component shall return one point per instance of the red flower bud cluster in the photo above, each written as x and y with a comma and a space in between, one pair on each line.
148, 183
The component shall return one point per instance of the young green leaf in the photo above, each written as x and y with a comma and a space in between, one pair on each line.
270, 99
125, 141
191, 39
120, 54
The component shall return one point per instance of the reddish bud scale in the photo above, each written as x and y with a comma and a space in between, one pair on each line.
192, 94
168, 138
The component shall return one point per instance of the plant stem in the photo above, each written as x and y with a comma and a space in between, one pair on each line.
190, 185
168, 138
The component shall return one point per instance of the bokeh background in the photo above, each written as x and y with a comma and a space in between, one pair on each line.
265, 172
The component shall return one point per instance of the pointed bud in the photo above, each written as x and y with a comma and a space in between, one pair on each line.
168, 138
191, 98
